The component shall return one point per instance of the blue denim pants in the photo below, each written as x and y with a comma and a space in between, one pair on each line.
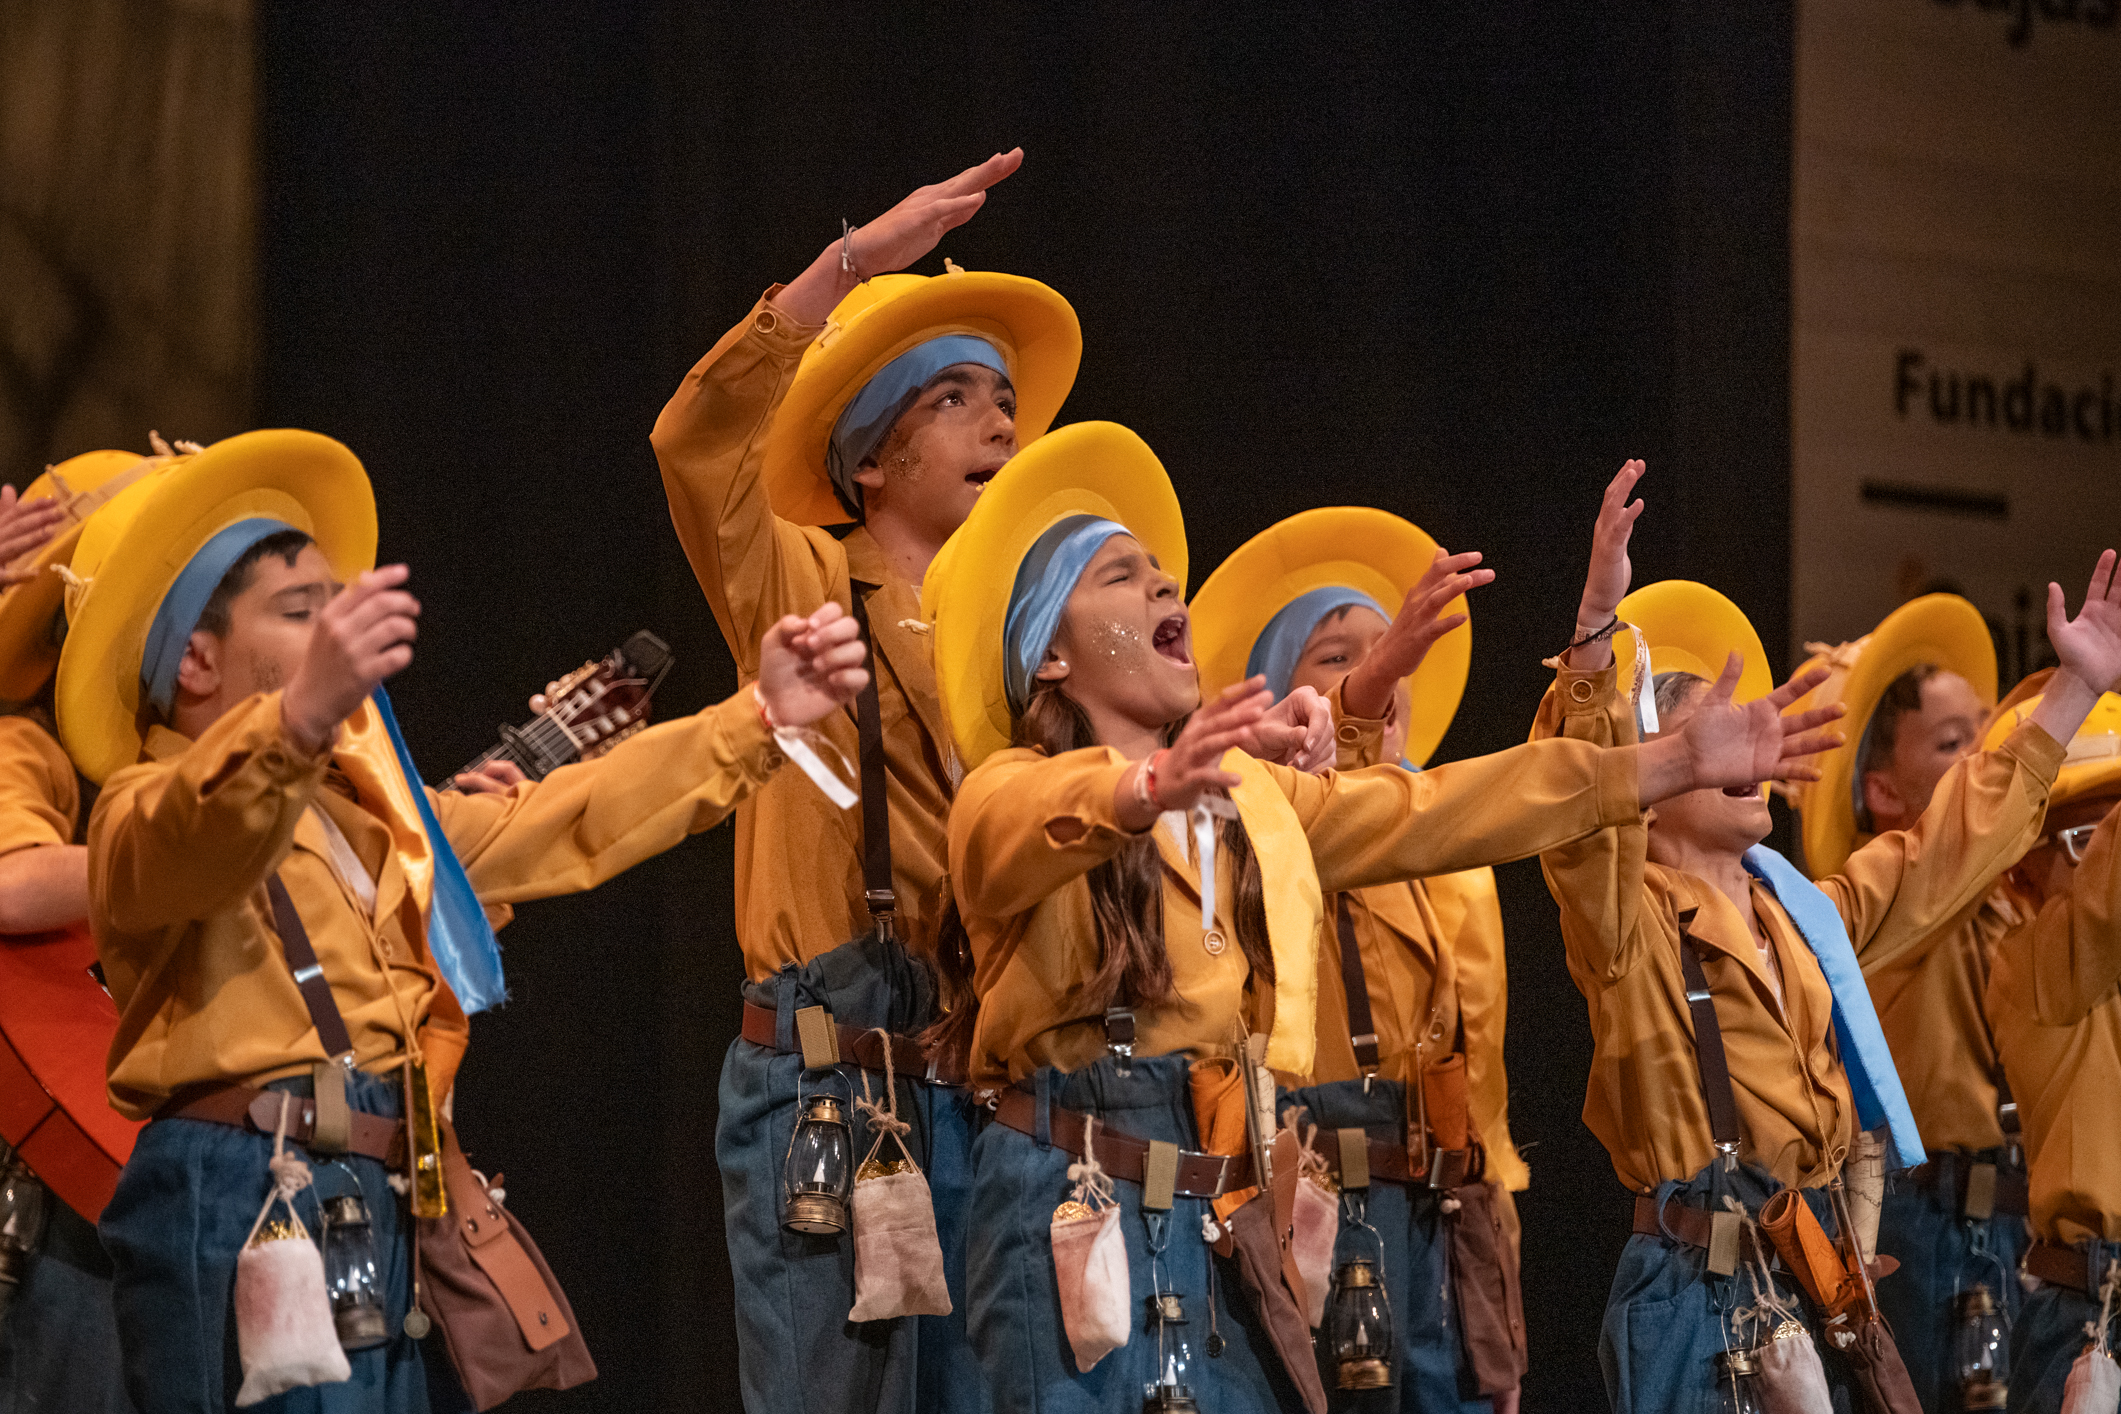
2048, 1336
1016, 1324
796, 1349
59, 1346
183, 1210
1942, 1254
1417, 1270
1667, 1315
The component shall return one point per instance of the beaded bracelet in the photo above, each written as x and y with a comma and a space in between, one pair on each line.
1145, 782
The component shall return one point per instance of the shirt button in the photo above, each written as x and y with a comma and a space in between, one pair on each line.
1581, 690
1349, 732
775, 761
1215, 942
767, 321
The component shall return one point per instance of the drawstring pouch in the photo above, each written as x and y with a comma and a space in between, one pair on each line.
284, 1330
2094, 1384
1090, 1261
1791, 1380
898, 1262
1317, 1224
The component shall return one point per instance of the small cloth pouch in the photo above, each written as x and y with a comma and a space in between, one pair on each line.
2094, 1384
1791, 1379
1090, 1261
284, 1330
1317, 1226
898, 1262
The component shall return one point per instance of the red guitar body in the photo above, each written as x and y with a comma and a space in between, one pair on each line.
56, 1024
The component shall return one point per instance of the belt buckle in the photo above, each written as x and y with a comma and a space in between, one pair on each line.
1447, 1167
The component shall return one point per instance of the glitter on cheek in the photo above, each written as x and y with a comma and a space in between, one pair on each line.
1118, 641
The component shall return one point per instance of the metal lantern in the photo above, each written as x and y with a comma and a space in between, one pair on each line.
1170, 1392
1737, 1382
1981, 1351
23, 1204
820, 1169
350, 1273
1359, 1328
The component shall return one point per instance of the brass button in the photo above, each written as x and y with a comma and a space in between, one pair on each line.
1215, 942
1581, 690
767, 321
1349, 732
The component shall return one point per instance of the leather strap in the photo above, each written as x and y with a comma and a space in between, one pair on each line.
1122, 1155
309, 973
1709, 1056
2079, 1267
2013, 1192
878, 888
1390, 1162
244, 1107
1691, 1226
858, 1047
1362, 1027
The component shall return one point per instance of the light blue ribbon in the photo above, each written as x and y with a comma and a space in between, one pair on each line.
1872, 1077
1045, 579
1281, 643
871, 413
458, 935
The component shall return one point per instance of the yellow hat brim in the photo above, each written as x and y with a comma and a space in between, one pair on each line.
1692, 628
30, 611
1943, 629
1033, 327
1087, 468
149, 533
1353, 547
2092, 765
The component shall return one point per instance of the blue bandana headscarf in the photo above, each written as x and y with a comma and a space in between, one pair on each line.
1055, 561
458, 935
1282, 641
866, 419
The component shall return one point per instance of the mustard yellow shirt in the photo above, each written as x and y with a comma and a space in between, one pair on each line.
2053, 1001
180, 847
1027, 828
1620, 922
799, 886
40, 797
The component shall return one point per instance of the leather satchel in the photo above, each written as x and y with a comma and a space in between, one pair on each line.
484, 1284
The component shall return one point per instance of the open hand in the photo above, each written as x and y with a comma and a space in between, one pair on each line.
361, 637
895, 239
810, 666
1421, 621
1192, 767
1606, 582
2090, 649
24, 527
1729, 744
1296, 732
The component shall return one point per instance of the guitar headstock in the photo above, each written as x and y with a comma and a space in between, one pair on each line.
602, 702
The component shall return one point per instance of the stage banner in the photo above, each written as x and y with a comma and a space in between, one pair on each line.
1956, 238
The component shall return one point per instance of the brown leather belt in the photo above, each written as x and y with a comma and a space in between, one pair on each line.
1124, 1156
2069, 1267
1691, 1226
1390, 1162
2013, 1194
241, 1107
857, 1047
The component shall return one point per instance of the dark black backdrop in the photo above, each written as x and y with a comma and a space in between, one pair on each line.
1456, 261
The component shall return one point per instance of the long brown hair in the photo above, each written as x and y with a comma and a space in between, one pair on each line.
1126, 897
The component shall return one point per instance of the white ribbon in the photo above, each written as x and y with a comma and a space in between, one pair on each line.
1203, 816
1645, 686
795, 742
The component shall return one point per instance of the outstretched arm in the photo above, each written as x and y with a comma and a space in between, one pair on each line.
2090, 648
1605, 584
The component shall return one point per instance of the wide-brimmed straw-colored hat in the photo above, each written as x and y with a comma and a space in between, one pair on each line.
133, 551
1691, 628
2091, 764
1032, 327
1085, 468
1348, 547
1940, 629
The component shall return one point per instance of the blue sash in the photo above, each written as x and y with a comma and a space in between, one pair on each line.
458, 935
1872, 1078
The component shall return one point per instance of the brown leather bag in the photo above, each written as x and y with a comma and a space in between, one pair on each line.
1485, 1279
484, 1284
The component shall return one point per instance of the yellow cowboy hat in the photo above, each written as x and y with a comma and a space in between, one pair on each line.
1335, 547
143, 540
31, 626
2091, 765
1033, 328
1690, 628
1086, 468
1943, 629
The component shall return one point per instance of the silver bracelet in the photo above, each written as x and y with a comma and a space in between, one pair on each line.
847, 254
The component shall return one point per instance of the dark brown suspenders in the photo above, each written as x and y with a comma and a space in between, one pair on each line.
877, 886
1362, 1027
1709, 1055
